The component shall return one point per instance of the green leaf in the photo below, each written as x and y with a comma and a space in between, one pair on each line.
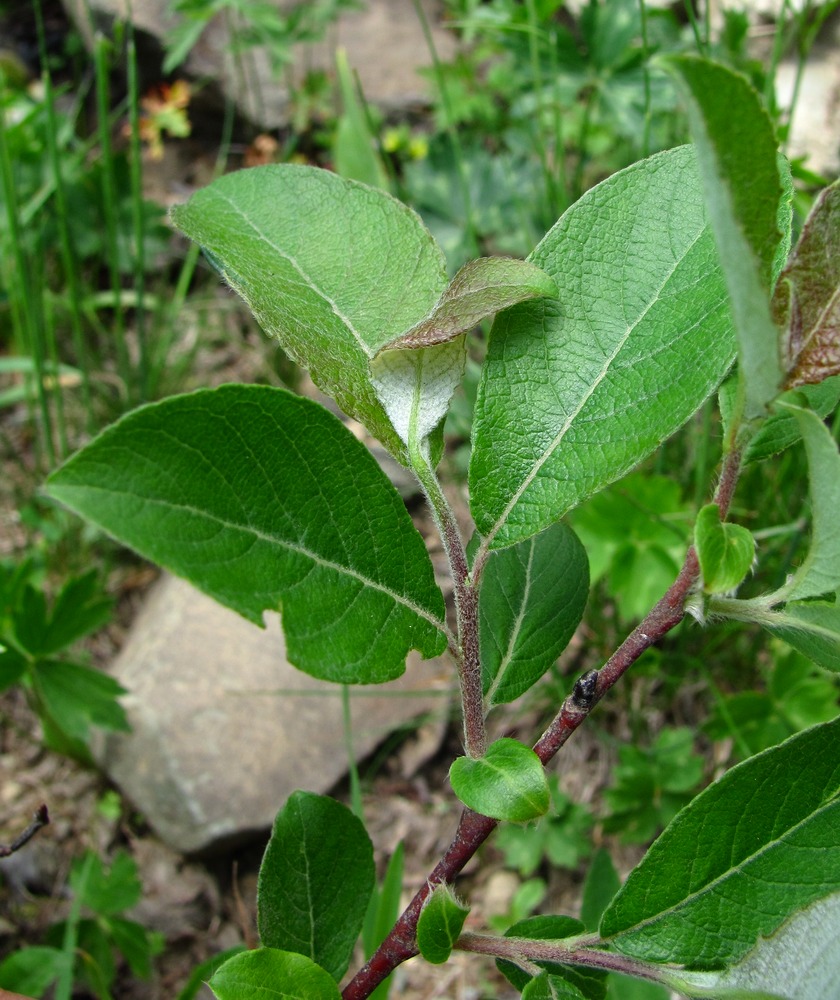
754, 847
801, 961
807, 297
331, 268
737, 153
315, 881
106, 891
812, 628
201, 973
265, 501
269, 974
32, 969
531, 601
624, 988
582, 982
780, 430
13, 667
440, 924
353, 148
416, 374
820, 570
601, 884
577, 390
726, 551
77, 697
548, 987
507, 783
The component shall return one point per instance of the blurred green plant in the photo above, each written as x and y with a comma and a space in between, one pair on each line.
82, 951
36, 637
795, 694
651, 784
560, 838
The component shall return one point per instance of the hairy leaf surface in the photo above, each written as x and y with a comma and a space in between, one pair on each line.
265, 501
315, 881
577, 390
759, 844
331, 268
507, 783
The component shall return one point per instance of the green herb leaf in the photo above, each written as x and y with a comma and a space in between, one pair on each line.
440, 924
737, 153
577, 390
76, 698
257, 497
315, 881
269, 974
601, 885
333, 269
531, 601
507, 783
754, 847
725, 551
807, 297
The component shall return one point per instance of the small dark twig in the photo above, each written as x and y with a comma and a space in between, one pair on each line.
40, 819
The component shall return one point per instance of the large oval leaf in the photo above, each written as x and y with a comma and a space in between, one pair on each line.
315, 881
577, 390
331, 268
750, 850
265, 501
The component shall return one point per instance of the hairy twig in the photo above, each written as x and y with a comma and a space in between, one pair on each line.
473, 829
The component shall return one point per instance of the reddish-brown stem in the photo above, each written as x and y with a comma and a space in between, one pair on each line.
514, 949
473, 829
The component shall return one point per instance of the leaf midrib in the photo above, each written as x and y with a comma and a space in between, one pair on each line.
558, 439
367, 351
298, 549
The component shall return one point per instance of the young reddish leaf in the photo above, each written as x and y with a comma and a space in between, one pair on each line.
807, 297
507, 783
482, 287
440, 924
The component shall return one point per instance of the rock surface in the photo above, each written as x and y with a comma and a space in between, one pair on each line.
384, 41
224, 728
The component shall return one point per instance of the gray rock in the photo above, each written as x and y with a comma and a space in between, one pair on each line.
224, 729
384, 42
